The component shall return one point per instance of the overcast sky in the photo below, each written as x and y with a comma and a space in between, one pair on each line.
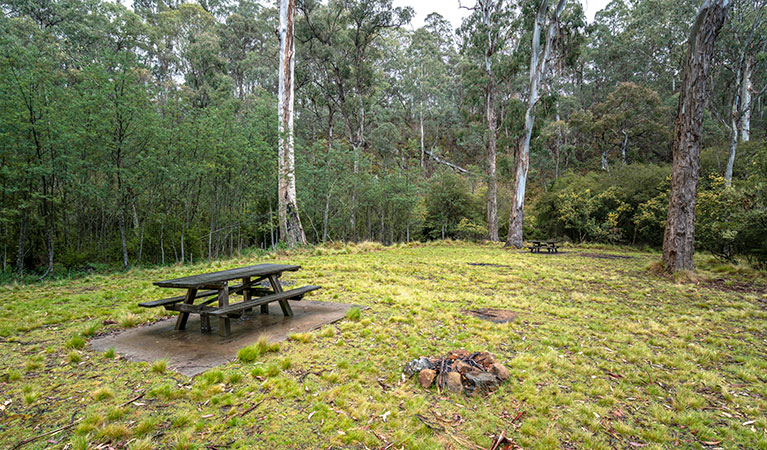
450, 11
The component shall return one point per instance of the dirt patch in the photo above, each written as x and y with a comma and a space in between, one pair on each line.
489, 265
602, 256
735, 286
493, 315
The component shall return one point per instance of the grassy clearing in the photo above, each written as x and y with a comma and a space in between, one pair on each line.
602, 354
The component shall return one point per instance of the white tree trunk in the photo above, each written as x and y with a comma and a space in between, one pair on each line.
745, 98
538, 60
423, 148
490, 117
736, 109
290, 223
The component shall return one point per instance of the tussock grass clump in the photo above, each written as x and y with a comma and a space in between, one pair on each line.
113, 432
74, 357
128, 320
214, 376
252, 352
102, 394
31, 397
145, 426
79, 442
90, 330
166, 391
267, 370
13, 375
142, 444
354, 314
304, 338
327, 331
234, 377
110, 353
76, 342
160, 365
33, 364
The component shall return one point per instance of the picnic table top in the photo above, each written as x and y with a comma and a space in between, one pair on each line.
207, 279
545, 242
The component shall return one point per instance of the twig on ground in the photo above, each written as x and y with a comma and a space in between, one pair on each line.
244, 413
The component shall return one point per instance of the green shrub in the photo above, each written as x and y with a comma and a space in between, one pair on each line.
470, 231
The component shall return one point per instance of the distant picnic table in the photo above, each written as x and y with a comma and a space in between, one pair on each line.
214, 288
549, 246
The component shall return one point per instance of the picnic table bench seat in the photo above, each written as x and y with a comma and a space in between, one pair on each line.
180, 298
293, 294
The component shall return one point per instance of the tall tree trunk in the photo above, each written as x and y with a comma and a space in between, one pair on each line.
492, 179
538, 60
123, 243
624, 145
491, 149
325, 214
745, 99
21, 248
736, 109
423, 148
678, 239
290, 222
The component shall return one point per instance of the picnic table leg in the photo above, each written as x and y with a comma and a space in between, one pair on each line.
224, 326
205, 323
275, 282
246, 293
184, 316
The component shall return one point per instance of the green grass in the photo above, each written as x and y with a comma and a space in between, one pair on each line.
252, 352
603, 354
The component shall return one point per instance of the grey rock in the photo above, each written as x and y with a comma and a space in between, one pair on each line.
416, 366
482, 381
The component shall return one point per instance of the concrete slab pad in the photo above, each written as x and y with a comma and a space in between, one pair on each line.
191, 352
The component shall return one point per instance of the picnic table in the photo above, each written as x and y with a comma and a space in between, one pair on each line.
549, 246
215, 288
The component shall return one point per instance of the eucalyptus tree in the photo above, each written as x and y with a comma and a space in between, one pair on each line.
489, 35
741, 54
546, 20
679, 235
291, 229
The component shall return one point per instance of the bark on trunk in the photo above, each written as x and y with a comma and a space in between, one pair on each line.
423, 148
21, 248
678, 239
538, 60
290, 222
123, 243
745, 98
491, 142
492, 180
736, 109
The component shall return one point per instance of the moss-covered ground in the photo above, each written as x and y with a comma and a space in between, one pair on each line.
603, 354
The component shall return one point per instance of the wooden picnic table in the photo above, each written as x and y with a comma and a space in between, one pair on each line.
215, 286
549, 246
